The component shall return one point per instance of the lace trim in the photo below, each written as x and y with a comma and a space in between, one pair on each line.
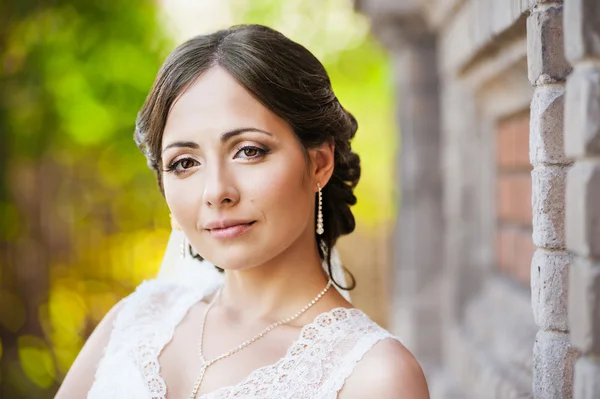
366, 343
272, 380
153, 301
318, 361
149, 350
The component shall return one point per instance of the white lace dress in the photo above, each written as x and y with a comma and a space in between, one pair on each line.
316, 365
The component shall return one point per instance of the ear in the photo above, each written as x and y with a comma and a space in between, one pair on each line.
322, 163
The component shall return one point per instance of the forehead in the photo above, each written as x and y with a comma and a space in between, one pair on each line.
216, 103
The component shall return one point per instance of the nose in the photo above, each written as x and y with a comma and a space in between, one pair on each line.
219, 188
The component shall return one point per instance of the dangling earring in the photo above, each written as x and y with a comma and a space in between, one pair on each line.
184, 243
184, 246
320, 227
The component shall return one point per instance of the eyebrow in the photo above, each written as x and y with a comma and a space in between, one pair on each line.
224, 137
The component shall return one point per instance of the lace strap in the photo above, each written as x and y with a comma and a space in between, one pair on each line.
175, 301
336, 382
144, 325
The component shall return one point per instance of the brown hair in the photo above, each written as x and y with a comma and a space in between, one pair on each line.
287, 79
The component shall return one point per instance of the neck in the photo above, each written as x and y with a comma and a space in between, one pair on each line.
274, 290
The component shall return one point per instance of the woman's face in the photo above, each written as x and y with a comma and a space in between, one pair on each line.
239, 183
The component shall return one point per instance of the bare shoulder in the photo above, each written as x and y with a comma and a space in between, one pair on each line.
388, 370
80, 377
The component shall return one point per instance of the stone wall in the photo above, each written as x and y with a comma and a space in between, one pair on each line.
582, 143
495, 276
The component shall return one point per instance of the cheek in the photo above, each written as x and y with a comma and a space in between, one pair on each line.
282, 193
181, 200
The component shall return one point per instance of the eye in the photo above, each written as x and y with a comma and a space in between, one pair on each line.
250, 152
182, 165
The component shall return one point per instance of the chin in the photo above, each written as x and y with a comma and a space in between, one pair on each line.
244, 253
234, 258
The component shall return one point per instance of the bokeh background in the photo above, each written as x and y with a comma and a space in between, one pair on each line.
82, 222
477, 240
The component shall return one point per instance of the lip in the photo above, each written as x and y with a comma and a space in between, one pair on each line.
228, 228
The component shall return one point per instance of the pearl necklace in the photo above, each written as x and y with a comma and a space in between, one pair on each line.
206, 364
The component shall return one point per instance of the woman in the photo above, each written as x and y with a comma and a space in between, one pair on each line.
252, 152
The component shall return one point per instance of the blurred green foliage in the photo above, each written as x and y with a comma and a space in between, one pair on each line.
81, 220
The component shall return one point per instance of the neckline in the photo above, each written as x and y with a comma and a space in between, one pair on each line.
303, 336
260, 334
319, 323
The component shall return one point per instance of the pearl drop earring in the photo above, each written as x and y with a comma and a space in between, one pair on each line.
184, 245
320, 227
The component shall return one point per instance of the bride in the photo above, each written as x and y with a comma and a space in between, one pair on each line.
252, 153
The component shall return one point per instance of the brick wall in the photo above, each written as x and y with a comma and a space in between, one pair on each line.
496, 209
514, 246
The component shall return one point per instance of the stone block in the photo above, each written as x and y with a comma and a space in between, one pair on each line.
582, 112
545, 47
583, 208
548, 188
553, 361
549, 288
546, 126
587, 378
582, 27
584, 305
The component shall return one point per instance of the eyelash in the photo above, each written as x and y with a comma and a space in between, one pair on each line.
172, 167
